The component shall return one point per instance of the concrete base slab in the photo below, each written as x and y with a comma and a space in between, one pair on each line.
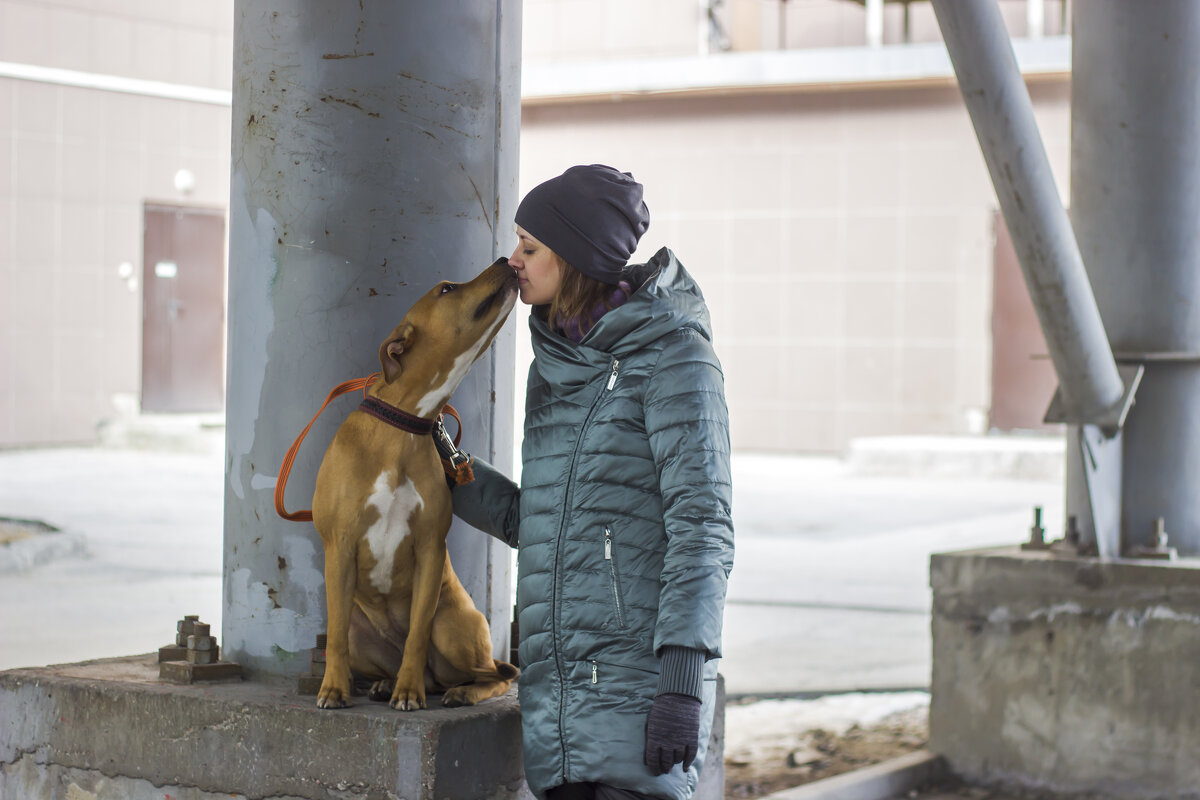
112, 729
1067, 674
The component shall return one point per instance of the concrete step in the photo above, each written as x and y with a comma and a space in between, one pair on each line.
179, 433
885, 781
1003, 457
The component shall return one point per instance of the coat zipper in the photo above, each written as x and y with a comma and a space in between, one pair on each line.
612, 571
558, 662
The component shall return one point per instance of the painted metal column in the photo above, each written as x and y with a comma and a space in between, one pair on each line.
374, 154
1135, 202
1002, 114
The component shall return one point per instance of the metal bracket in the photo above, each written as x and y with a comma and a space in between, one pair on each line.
1096, 500
1112, 420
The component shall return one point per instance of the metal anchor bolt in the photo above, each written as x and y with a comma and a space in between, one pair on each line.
1158, 549
1037, 534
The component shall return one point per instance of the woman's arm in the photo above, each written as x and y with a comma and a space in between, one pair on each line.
490, 503
688, 425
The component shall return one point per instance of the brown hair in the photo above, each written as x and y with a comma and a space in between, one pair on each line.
577, 298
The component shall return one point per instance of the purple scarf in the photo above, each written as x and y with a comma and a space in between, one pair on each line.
577, 327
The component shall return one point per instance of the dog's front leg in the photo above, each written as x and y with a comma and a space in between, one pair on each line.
339, 602
430, 561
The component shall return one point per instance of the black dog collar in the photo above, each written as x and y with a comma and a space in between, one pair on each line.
395, 417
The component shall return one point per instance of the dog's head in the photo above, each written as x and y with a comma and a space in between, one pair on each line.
444, 333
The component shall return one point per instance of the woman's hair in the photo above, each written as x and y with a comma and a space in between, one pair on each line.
577, 299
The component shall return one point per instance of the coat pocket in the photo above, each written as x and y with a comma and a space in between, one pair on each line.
614, 572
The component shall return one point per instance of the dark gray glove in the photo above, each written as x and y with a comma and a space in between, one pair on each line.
672, 732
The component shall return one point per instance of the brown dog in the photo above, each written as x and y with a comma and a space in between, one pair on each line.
396, 609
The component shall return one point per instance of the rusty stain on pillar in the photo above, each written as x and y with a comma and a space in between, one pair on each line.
374, 154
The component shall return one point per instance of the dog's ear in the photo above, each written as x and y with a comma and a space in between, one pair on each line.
392, 348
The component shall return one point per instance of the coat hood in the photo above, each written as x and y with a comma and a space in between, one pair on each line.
665, 298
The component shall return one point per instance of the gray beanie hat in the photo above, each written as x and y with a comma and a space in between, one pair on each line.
592, 216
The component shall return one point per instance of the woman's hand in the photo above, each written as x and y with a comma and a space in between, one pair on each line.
672, 732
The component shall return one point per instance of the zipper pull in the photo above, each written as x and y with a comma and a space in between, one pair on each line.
612, 379
607, 544
595, 670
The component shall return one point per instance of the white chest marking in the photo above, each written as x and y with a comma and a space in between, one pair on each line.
437, 396
396, 508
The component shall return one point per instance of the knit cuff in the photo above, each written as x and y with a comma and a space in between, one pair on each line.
681, 671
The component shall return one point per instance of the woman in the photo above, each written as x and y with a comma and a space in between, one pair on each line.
623, 513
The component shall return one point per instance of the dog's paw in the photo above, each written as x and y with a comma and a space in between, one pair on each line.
458, 696
332, 698
407, 700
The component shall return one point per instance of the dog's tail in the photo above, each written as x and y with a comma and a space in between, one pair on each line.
501, 670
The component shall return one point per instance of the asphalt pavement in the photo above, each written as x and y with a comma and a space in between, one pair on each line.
829, 591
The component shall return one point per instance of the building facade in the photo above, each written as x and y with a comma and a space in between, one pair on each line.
810, 161
114, 146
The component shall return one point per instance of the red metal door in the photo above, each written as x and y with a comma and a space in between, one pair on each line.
183, 309
1023, 379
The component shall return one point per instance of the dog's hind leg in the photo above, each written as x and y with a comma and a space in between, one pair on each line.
461, 656
488, 683
339, 601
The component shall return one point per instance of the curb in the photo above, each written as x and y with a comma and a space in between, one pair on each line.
43, 547
883, 781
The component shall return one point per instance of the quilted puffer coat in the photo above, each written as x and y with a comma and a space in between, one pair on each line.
623, 524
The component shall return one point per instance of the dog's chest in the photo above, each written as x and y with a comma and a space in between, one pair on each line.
397, 507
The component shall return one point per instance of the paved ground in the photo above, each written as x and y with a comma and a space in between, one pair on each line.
829, 591
151, 525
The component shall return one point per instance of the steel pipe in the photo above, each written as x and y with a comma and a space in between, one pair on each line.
1135, 203
1002, 115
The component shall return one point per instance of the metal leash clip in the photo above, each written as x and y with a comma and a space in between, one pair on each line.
446, 447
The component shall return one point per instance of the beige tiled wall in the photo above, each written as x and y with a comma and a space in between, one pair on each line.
583, 29
76, 166
843, 240
175, 42
592, 29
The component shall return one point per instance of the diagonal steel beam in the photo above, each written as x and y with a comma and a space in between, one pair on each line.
1091, 388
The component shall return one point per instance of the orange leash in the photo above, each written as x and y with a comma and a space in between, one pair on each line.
458, 468
290, 458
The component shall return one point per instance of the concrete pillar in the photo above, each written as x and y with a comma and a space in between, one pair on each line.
874, 23
1135, 204
1035, 19
374, 154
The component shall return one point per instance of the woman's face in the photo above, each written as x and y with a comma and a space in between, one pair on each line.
537, 268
